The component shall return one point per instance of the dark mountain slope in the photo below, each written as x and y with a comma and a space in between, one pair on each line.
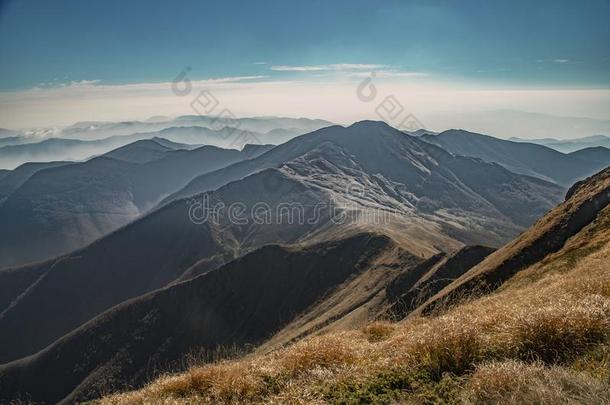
173, 145
524, 158
14, 282
61, 209
594, 154
231, 305
253, 151
142, 151
16, 177
140, 257
413, 287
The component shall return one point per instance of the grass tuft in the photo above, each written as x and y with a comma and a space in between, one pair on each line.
378, 331
515, 382
318, 352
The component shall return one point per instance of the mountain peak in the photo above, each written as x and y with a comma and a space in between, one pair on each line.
370, 125
460, 132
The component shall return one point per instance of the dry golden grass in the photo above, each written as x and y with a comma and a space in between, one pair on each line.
526, 343
515, 382
378, 331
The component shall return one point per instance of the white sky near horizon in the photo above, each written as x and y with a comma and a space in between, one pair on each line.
439, 104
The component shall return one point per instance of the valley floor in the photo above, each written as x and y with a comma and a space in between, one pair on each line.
543, 337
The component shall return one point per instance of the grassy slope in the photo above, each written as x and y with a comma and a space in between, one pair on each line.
542, 337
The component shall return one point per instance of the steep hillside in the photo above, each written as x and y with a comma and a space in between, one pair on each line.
541, 338
433, 180
236, 304
61, 209
412, 288
524, 158
68, 291
583, 204
255, 150
155, 250
13, 179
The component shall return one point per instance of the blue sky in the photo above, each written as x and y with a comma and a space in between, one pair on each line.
542, 43
63, 61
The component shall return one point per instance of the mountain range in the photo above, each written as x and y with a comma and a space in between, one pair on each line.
119, 266
366, 176
86, 139
510, 123
524, 158
533, 329
569, 145
326, 286
67, 206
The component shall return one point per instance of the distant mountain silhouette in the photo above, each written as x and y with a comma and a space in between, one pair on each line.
594, 154
146, 150
570, 145
524, 158
86, 139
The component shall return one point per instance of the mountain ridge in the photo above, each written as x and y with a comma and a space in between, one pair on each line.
420, 195
524, 158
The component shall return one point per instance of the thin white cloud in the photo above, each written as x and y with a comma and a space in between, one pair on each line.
356, 66
331, 67
97, 85
233, 79
561, 60
284, 68
382, 74
77, 83
260, 63
74, 83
